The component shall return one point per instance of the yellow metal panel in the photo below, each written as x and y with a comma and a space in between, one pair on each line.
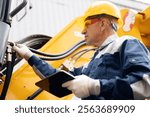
144, 26
23, 80
134, 31
140, 28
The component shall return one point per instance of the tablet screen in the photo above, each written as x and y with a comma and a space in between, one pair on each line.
53, 83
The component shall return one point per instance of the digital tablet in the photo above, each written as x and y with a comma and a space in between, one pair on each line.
53, 83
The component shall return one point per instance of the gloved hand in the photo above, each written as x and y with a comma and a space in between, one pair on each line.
83, 86
22, 51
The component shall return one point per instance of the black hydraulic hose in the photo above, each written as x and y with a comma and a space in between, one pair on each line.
13, 59
52, 56
84, 53
81, 43
35, 94
8, 76
16, 60
7, 80
64, 55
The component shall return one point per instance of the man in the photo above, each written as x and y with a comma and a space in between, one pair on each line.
119, 69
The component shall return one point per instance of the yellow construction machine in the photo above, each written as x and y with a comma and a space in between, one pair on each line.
68, 46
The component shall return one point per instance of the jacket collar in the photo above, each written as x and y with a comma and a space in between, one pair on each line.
109, 40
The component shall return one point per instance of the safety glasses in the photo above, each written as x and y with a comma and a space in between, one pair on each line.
90, 21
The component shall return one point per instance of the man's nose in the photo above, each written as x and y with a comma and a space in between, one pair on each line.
83, 31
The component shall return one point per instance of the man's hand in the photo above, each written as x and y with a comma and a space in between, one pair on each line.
83, 86
22, 51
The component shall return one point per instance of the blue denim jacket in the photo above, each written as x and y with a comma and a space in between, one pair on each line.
123, 69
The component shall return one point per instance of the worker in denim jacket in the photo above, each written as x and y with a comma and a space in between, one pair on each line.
119, 69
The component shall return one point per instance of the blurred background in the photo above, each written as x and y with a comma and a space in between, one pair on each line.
48, 17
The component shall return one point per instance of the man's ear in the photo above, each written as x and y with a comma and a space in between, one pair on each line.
103, 24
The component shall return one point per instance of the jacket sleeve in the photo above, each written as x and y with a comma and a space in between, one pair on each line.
41, 68
135, 80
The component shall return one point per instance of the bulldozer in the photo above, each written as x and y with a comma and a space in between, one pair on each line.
65, 50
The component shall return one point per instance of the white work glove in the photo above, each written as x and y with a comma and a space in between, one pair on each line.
22, 51
83, 86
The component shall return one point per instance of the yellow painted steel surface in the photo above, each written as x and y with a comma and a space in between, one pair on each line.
140, 26
23, 79
144, 27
